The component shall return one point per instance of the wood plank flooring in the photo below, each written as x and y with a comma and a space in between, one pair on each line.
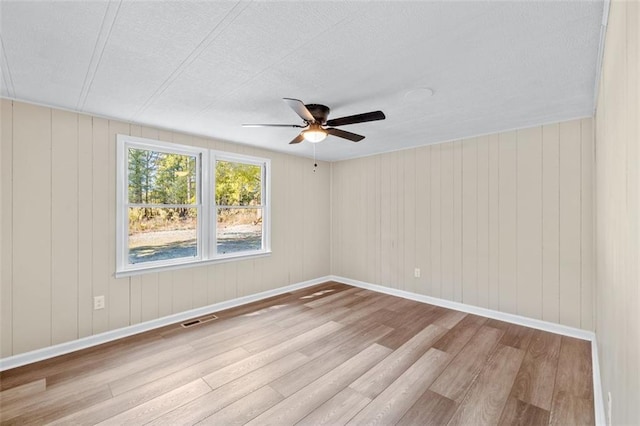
325, 355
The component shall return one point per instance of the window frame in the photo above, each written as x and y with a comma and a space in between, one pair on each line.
265, 164
206, 230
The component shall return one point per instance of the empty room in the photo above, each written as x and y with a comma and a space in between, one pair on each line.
327, 212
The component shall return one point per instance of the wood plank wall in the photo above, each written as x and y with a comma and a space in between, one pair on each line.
503, 221
58, 231
618, 213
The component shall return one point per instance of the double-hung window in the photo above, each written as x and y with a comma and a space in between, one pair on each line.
238, 203
180, 205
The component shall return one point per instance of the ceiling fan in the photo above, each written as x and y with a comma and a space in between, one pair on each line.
317, 127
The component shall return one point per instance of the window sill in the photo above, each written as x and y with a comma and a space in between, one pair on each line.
162, 268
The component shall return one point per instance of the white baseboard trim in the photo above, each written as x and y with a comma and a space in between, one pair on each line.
108, 336
485, 312
502, 316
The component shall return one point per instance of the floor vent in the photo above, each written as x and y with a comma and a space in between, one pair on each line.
197, 321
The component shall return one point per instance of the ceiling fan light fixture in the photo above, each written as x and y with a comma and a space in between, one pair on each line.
314, 135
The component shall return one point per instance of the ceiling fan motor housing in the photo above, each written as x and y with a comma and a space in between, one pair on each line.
319, 112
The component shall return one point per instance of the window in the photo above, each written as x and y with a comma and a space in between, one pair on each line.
181, 205
239, 208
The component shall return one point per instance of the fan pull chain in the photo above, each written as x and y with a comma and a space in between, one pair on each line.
315, 165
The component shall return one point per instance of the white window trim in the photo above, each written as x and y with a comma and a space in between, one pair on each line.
206, 224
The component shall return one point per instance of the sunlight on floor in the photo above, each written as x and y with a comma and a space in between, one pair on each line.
264, 311
319, 293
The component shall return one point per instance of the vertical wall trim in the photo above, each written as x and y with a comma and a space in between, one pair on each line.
594, 248
516, 219
331, 209
51, 219
581, 237
77, 225
559, 218
13, 311
499, 302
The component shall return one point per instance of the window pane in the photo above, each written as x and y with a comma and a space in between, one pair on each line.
239, 230
162, 234
238, 184
161, 178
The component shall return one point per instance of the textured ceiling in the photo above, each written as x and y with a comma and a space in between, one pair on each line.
207, 67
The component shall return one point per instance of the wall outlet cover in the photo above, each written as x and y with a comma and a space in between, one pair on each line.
98, 302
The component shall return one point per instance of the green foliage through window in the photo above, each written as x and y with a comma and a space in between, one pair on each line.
161, 178
238, 184
180, 204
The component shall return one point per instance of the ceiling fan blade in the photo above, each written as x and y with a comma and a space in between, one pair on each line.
273, 125
297, 139
344, 134
298, 106
358, 118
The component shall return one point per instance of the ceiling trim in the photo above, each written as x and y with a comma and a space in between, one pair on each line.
6, 71
600, 58
224, 23
109, 19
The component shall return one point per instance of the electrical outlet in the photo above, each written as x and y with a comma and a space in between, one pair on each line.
609, 404
98, 302
416, 272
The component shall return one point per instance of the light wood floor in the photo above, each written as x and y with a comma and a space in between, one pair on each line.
330, 354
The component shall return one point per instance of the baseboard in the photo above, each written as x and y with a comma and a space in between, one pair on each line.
98, 339
485, 312
502, 316
108, 336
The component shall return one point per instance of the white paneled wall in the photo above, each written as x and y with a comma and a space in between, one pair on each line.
503, 221
58, 231
618, 213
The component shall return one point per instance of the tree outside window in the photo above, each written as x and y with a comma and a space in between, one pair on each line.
169, 214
